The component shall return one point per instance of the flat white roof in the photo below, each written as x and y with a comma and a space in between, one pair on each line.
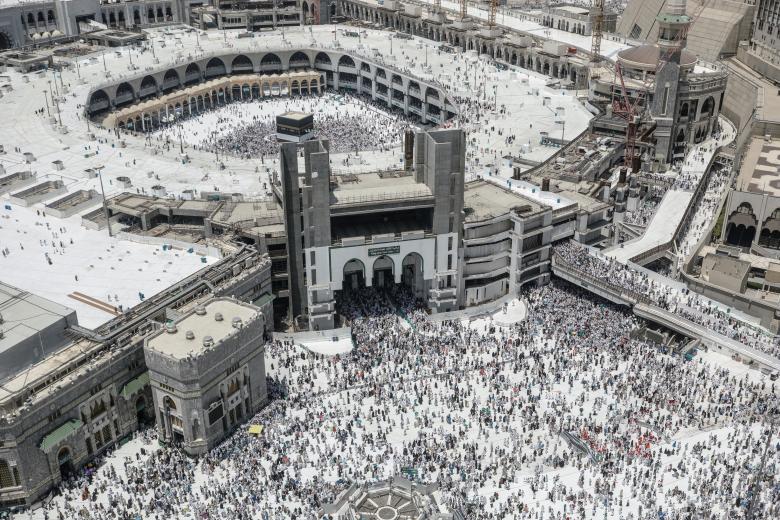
178, 346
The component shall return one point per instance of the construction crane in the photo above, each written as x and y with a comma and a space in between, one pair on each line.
596, 29
463, 9
437, 5
492, 13
631, 111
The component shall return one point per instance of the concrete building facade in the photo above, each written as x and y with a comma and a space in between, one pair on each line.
762, 54
377, 229
718, 26
32, 23
207, 372
512, 47
63, 411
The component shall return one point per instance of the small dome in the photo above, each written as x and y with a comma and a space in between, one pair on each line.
646, 57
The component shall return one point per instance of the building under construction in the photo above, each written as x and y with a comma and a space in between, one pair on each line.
664, 87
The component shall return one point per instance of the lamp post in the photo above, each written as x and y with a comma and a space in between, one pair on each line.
56, 88
57, 106
103, 192
45, 95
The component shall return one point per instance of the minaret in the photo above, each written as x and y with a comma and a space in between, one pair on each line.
673, 26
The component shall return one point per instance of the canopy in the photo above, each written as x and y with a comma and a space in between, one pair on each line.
60, 434
135, 385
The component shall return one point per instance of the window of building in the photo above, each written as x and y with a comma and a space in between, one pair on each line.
96, 409
9, 476
107, 434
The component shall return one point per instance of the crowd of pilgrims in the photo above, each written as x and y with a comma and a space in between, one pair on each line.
248, 128
681, 302
563, 415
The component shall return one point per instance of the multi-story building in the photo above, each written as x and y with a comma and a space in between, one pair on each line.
207, 372
717, 27
59, 412
40, 22
763, 52
376, 229
574, 19
252, 15
685, 96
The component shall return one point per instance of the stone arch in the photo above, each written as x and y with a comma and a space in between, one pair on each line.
124, 94
169, 403
742, 224
65, 462
241, 63
192, 74
215, 67
141, 412
148, 87
354, 275
322, 58
270, 61
300, 60
346, 61
708, 107
412, 270
171, 80
383, 272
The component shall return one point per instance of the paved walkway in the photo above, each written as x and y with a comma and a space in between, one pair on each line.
676, 200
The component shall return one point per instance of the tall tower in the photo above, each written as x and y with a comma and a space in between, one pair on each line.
673, 26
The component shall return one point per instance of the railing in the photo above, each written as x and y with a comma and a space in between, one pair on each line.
624, 294
383, 196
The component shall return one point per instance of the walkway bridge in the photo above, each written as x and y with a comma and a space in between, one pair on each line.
663, 233
644, 308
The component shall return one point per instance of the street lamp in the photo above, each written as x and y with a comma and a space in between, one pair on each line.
45, 95
99, 170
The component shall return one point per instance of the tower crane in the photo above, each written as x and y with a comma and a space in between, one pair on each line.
492, 13
596, 29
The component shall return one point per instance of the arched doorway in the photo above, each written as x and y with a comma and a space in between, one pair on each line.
140, 410
384, 272
5, 41
354, 275
65, 462
175, 423
412, 274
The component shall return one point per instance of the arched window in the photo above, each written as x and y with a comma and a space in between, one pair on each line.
9, 476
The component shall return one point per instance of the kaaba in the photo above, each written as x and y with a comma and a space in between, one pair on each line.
294, 127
